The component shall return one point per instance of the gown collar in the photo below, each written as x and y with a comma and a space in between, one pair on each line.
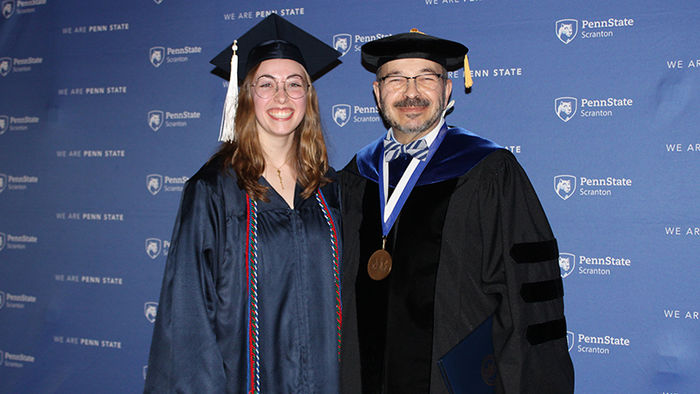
458, 153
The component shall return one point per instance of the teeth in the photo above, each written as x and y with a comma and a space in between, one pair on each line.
280, 114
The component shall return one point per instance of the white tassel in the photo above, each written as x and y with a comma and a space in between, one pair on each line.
228, 118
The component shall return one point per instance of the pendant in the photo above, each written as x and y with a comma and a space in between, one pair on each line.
379, 265
279, 175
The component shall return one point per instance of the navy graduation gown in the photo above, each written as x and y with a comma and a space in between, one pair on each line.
472, 241
199, 339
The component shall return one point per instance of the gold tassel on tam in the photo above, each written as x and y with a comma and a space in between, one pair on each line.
228, 118
467, 74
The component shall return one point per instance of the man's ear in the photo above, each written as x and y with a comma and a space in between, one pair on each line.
448, 90
375, 87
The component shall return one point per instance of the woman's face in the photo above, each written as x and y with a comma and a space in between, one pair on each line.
276, 113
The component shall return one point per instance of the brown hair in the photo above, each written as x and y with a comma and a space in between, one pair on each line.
244, 155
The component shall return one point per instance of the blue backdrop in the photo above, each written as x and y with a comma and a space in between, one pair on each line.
106, 109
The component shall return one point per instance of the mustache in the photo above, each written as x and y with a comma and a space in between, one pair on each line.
412, 102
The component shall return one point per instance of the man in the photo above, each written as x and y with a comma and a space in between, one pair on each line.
442, 243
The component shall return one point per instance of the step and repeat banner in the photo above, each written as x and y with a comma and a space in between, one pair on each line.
107, 108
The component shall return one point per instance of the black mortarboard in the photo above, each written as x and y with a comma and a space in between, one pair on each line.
276, 38
414, 44
272, 38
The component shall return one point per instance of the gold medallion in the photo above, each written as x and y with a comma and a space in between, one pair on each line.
379, 265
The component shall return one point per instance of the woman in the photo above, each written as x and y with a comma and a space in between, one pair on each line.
250, 297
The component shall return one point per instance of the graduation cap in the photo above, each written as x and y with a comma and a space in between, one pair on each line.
273, 38
415, 44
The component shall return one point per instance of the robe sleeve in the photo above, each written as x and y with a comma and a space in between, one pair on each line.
352, 186
184, 356
521, 265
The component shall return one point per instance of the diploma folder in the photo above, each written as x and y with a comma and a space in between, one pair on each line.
469, 367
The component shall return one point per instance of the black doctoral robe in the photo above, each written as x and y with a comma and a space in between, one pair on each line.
471, 242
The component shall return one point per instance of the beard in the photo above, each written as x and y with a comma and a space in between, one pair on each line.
413, 102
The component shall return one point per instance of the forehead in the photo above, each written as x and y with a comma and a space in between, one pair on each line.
409, 66
280, 68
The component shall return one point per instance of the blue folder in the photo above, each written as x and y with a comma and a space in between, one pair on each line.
470, 367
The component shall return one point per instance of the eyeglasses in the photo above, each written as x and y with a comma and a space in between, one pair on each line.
429, 81
266, 87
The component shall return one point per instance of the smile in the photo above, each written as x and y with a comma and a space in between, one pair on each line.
412, 109
280, 114
412, 112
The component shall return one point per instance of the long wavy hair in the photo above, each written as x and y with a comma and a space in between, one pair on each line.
245, 156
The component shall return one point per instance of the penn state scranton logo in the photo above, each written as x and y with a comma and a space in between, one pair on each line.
567, 262
8, 8
565, 186
5, 66
150, 309
157, 55
2, 299
570, 339
342, 43
2, 241
341, 114
565, 107
566, 29
3, 182
4, 124
154, 182
155, 119
153, 247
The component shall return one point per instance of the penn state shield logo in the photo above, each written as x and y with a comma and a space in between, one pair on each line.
342, 43
8, 8
154, 182
5, 66
153, 247
567, 262
155, 119
157, 1
4, 124
566, 29
341, 114
2, 241
157, 56
565, 107
570, 339
2, 299
565, 186
150, 310
3, 182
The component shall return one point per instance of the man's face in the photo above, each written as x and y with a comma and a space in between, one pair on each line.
412, 109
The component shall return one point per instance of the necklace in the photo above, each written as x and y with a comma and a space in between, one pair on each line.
279, 172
